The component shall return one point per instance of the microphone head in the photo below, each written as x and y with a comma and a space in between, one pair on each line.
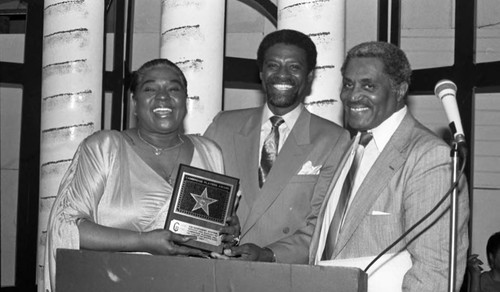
445, 87
446, 91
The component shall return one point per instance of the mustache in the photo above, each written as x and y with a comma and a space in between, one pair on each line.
355, 104
278, 80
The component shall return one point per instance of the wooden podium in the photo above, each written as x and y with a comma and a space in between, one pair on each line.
79, 270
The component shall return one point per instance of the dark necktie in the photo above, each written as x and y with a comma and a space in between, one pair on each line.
345, 195
270, 149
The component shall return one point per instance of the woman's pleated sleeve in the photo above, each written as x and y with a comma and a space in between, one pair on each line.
78, 197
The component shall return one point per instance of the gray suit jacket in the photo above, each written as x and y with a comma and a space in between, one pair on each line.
410, 176
282, 214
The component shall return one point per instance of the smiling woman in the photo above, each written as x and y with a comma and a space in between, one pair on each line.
116, 192
159, 93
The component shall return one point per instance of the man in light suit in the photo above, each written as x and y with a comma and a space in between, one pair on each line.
277, 219
405, 170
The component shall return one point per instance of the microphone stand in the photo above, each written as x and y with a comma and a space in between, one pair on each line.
453, 218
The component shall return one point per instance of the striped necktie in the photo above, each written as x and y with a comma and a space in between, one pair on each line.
345, 195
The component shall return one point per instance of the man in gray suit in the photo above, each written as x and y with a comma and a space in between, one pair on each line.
279, 204
404, 171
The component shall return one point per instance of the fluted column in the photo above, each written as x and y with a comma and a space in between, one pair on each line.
324, 22
192, 36
72, 68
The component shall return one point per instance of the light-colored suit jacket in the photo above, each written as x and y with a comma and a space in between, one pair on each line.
282, 214
410, 176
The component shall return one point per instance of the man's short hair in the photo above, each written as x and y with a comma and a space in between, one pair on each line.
396, 64
493, 246
288, 37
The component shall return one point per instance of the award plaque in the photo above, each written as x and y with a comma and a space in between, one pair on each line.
200, 205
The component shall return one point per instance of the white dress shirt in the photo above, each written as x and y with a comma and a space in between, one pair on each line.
285, 128
381, 136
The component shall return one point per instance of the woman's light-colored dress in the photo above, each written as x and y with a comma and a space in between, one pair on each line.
109, 184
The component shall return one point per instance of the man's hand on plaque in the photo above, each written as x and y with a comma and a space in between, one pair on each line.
231, 232
250, 252
164, 242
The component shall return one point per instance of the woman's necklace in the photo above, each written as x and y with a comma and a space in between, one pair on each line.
157, 150
174, 164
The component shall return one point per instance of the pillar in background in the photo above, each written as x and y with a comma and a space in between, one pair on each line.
192, 36
72, 72
324, 22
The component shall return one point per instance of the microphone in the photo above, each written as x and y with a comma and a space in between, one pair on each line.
446, 91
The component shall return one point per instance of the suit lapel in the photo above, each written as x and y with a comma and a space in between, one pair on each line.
387, 164
291, 157
247, 154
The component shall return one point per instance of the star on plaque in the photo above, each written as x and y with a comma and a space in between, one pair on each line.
202, 201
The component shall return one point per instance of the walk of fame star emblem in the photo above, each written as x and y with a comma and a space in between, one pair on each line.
202, 201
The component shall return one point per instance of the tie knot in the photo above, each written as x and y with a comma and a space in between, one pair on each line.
276, 121
365, 138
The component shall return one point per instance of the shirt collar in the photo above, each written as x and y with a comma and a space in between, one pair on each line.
290, 118
383, 133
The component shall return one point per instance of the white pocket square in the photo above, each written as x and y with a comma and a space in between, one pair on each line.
380, 213
309, 169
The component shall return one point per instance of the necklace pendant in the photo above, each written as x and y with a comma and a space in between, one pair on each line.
158, 151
